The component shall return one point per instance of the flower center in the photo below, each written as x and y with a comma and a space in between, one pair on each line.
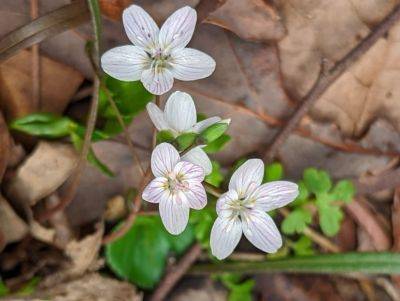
241, 205
160, 60
176, 183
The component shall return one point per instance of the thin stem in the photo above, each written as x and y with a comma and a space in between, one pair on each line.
35, 61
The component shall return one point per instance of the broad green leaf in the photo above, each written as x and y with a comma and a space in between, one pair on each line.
303, 246
140, 255
216, 177
179, 243
273, 172
3, 289
44, 125
130, 98
330, 217
317, 181
218, 144
296, 221
185, 140
164, 136
368, 263
202, 220
344, 191
214, 131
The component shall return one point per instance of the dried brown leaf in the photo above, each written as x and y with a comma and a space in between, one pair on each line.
12, 227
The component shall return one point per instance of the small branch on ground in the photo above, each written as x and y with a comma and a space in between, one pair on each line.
325, 80
176, 273
35, 61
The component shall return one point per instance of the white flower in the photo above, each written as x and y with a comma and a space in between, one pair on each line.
180, 117
158, 55
242, 209
176, 188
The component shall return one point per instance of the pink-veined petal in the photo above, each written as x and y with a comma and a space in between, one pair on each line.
177, 30
180, 111
247, 177
163, 159
224, 201
157, 117
260, 229
174, 213
274, 195
125, 62
188, 171
156, 190
157, 81
196, 196
225, 235
191, 64
140, 27
199, 157
202, 125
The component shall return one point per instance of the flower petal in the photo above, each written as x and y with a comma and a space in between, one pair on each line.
196, 196
191, 64
190, 172
177, 30
155, 191
202, 125
163, 159
125, 63
199, 157
225, 235
157, 81
224, 201
140, 27
247, 177
157, 117
174, 213
180, 111
274, 195
260, 229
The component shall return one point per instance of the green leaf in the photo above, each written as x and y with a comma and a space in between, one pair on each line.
317, 181
97, 135
77, 141
29, 288
186, 140
242, 291
330, 217
203, 220
130, 98
140, 255
302, 198
216, 177
214, 131
218, 144
44, 125
273, 172
179, 243
368, 263
344, 191
3, 289
296, 221
303, 246
164, 136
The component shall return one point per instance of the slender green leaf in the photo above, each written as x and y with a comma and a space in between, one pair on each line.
185, 140
214, 131
218, 144
368, 263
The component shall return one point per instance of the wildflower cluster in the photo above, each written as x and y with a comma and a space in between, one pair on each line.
156, 57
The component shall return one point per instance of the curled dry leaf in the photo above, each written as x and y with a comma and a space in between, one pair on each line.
253, 20
48, 166
16, 85
12, 227
113, 8
326, 31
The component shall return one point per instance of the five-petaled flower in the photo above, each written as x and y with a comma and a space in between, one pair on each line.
180, 117
158, 55
243, 210
176, 188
